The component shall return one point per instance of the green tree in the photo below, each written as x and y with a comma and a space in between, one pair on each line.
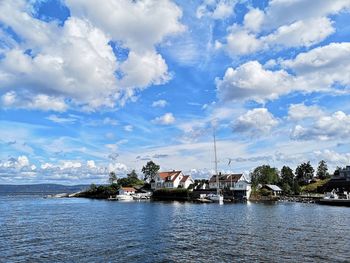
133, 174
264, 174
112, 177
150, 170
322, 170
287, 179
304, 172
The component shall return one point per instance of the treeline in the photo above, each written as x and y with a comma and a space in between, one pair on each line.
289, 181
105, 191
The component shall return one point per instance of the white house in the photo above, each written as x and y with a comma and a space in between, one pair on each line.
186, 181
170, 180
237, 183
127, 191
273, 188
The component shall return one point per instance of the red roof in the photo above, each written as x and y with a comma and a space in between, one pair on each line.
184, 179
169, 176
128, 189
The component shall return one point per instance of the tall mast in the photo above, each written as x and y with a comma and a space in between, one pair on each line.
216, 163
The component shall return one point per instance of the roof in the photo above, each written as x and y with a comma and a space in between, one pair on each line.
273, 187
128, 189
226, 178
184, 179
169, 176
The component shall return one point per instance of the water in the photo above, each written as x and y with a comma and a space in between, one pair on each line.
34, 229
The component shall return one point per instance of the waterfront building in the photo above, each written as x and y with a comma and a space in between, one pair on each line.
127, 191
172, 179
273, 188
238, 183
344, 174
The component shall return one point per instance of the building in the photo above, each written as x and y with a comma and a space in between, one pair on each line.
273, 188
344, 174
186, 181
237, 183
127, 191
172, 179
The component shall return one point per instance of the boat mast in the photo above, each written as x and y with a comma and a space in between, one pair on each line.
216, 164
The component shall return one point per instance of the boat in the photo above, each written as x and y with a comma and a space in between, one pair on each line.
335, 199
124, 197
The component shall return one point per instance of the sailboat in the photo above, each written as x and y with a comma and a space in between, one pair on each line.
218, 197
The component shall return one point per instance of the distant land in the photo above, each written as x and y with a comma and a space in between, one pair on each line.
40, 189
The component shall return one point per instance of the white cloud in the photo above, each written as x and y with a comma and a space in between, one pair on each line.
241, 42
333, 127
219, 9
253, 19
166, 119
118, 168
324, 66
301, 9
60, 120
321, 69
301, 111
159, 103
333, 157
66, 63
252, 81
301, 33
306, 24
255, 122
128, 128
91, 164
110, 121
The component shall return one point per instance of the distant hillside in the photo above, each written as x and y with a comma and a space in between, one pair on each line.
40, 188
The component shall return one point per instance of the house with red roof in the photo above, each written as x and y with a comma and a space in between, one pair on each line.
170, 180
238, 183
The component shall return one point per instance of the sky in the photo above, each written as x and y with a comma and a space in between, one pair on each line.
88, 87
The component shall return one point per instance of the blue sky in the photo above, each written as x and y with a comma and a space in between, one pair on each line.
89, 87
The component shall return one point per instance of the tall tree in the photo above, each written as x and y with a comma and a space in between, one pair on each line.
150, 170
304, 172
322, 170
133, 174
264, 174
112, 178
287, 179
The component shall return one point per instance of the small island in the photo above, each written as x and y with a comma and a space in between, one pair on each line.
264, 183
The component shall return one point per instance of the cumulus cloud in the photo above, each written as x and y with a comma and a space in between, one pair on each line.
61, 66
324, 66
166, 119
333, 157
301, 33
332, 127
255, 122
320, 69
159, 103
217, 9
301, 111
252, 81
305, 25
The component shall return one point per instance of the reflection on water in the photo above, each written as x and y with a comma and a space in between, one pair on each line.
82, 230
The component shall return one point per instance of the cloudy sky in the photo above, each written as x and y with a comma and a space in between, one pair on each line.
88, 87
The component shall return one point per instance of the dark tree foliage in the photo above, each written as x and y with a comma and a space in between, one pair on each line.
304, 172
264, 174
322, 170
287, 179
129, 181
133, 174
150, 170
112, 178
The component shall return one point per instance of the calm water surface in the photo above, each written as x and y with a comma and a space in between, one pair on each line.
34, 229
